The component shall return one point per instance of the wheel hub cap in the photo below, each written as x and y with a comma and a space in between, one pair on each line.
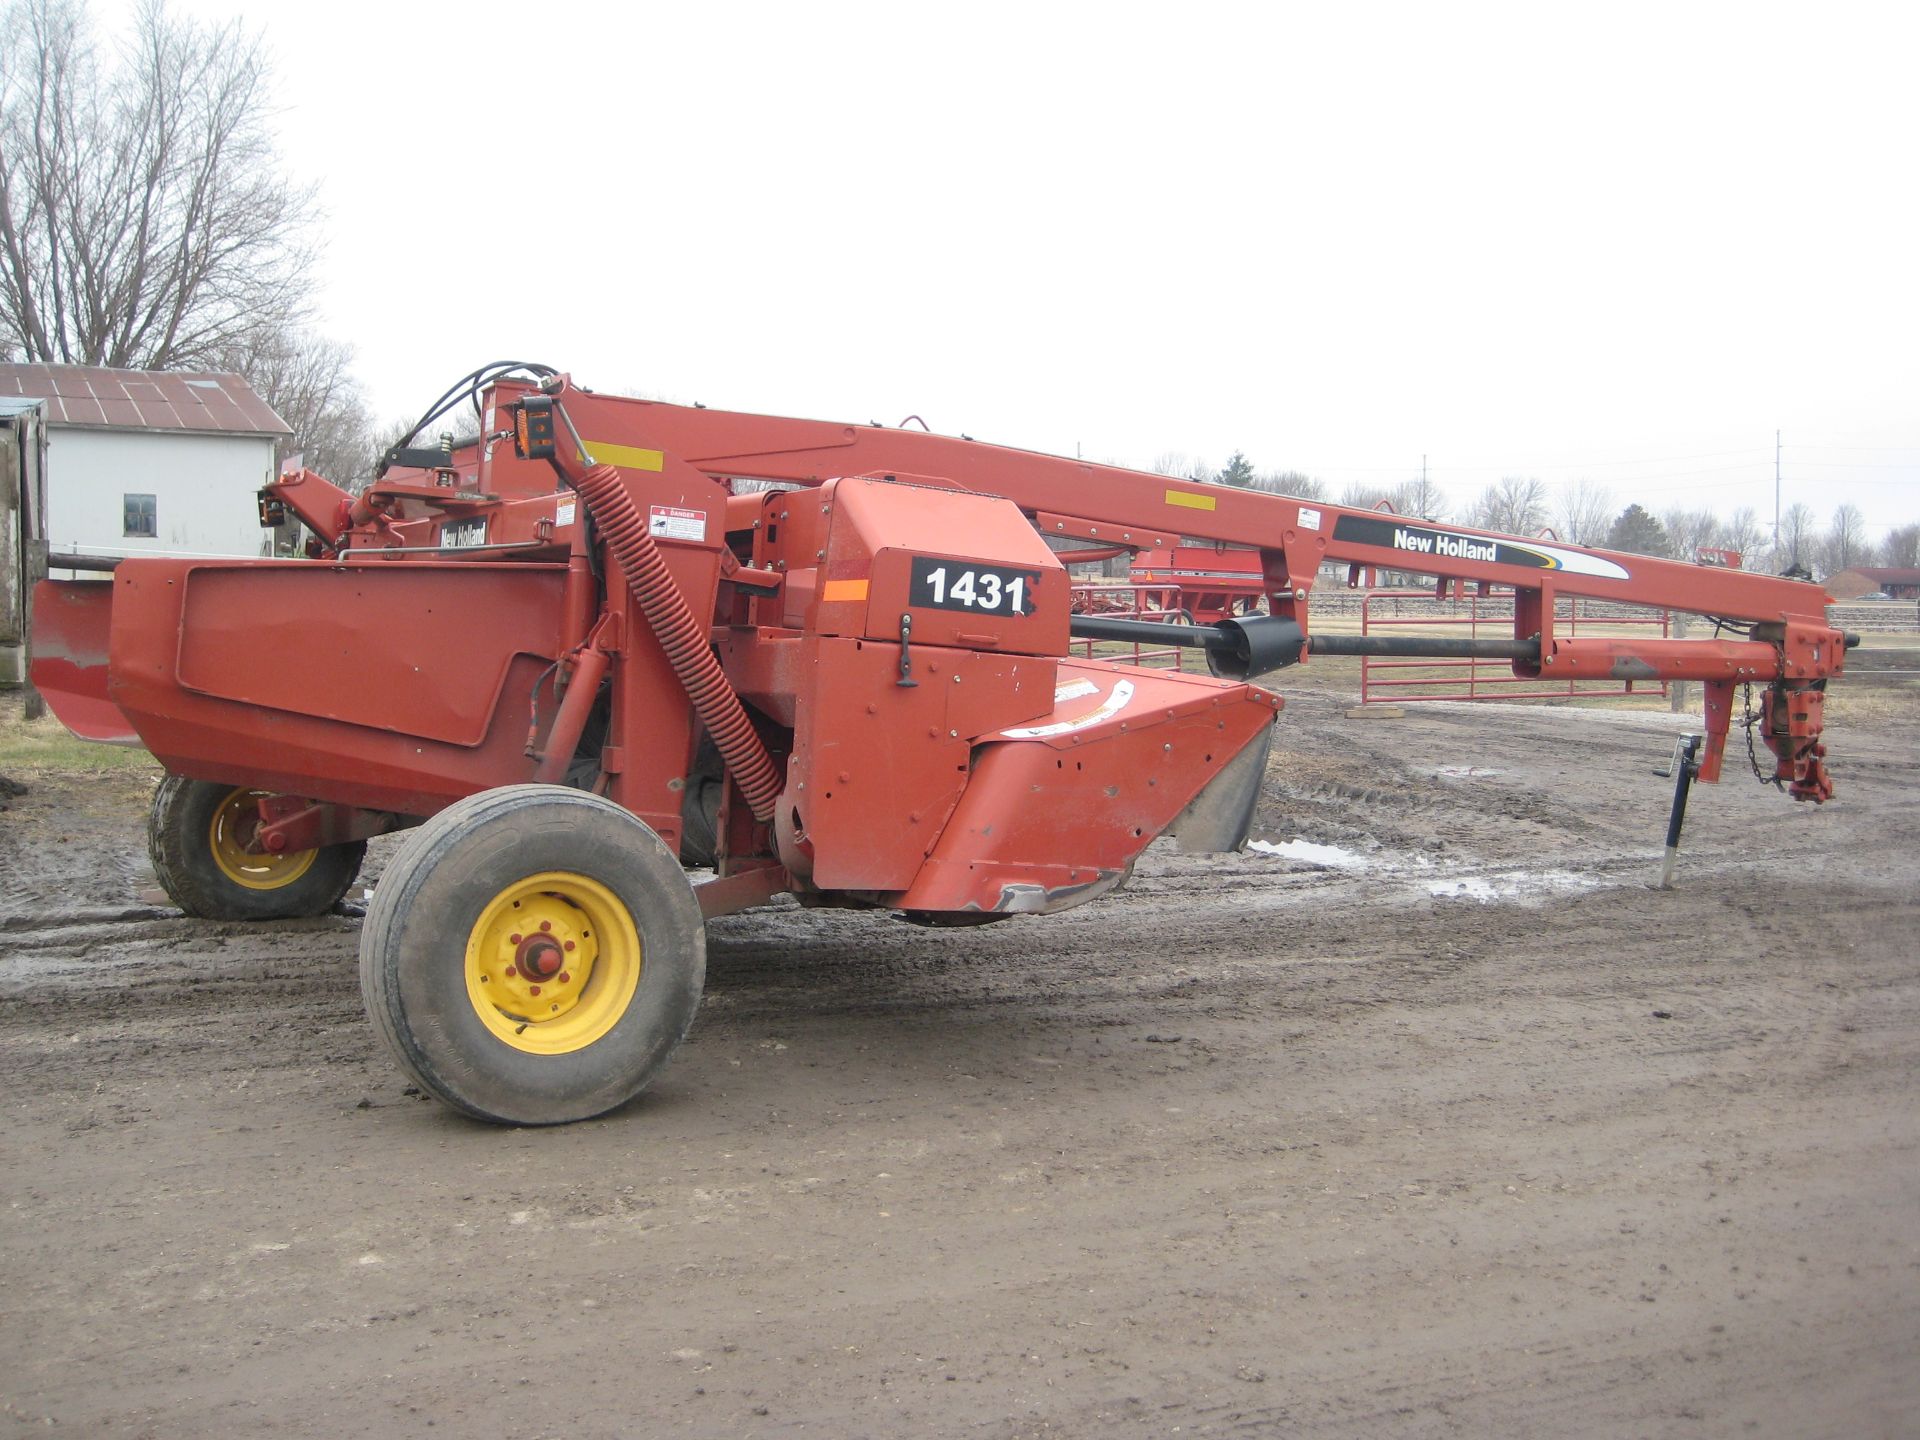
553, 962
233, 839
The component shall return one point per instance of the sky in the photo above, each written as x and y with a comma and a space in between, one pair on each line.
1627, 243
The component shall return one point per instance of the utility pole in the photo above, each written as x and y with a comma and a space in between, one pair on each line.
1776, 493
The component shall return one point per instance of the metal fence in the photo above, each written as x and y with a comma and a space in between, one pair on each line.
1131, 602
1388, 612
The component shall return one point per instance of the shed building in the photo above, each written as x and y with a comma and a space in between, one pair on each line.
150, 461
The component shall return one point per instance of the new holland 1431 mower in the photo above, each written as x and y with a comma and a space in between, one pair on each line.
601, 641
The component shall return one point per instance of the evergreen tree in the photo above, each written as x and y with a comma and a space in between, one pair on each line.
1639, 533
1238, 472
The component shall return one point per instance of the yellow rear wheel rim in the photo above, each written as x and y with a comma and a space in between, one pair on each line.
553, 963
236, 820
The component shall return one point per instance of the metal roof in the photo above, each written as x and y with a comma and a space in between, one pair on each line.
93, 397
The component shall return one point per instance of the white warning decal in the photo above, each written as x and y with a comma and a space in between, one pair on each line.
563, 513
1309, 518
1106, 710
1073, 690
667, 522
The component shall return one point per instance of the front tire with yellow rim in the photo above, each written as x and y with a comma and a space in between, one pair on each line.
533, 955
200, 839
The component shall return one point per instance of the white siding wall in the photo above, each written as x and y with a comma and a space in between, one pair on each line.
203, 488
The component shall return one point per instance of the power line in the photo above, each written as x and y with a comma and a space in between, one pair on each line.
1811, 445
1910, 465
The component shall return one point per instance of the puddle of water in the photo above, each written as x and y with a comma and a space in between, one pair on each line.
1331, 857
1415, 874
1521, 885
1334, 857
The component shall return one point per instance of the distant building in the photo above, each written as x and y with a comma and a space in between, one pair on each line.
1899, 582
149, 461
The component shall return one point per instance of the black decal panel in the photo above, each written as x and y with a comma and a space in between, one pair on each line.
938, 584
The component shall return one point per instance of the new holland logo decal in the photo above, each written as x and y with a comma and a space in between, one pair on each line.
1424, 541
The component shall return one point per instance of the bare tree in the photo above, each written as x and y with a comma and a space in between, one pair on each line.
1178, 465
1796, 538
1845, 543
1422, 498
1514, 505
1744, 532
306, 379
1689, 530
1289, 482
144, 218
1365, 494
1902, 547
1585, 513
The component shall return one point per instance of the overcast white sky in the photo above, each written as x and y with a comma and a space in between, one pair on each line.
1618, 241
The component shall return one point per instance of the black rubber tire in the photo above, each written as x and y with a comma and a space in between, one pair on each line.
413, 953
179, 842
700, 813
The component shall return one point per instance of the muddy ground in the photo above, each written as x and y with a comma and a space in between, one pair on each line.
1453, 1128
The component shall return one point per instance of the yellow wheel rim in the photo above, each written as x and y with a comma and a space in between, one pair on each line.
553, 963
236, 820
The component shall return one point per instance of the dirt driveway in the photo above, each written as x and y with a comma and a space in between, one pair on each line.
1442, 1124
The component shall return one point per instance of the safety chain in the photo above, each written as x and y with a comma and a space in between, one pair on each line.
1748, 721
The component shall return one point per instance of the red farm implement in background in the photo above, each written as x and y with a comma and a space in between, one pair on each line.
1206, 583
597, 642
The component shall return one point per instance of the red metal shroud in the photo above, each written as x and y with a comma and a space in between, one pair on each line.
1058, 811
394, 687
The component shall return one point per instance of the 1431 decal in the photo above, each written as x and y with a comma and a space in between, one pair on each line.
937, 584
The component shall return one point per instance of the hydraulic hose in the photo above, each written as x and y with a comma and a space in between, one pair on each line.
682, 637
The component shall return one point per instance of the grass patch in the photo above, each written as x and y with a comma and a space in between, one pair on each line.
44, 746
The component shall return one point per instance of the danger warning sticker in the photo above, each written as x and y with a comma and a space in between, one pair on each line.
666, 522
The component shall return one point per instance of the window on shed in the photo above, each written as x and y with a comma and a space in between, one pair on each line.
140, 517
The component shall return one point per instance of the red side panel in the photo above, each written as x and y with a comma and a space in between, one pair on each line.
71, 619
393, 687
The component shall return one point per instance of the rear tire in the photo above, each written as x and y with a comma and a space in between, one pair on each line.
533, 955
196, 833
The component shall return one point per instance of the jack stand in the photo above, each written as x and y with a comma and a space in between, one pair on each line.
1684, 765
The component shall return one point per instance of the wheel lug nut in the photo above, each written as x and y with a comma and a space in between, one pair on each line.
565, 977
569, 944
513, 939
546, 925
533, 989
511, 972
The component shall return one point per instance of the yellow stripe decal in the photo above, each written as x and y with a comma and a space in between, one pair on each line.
627, 457
843, 590
1190, 500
